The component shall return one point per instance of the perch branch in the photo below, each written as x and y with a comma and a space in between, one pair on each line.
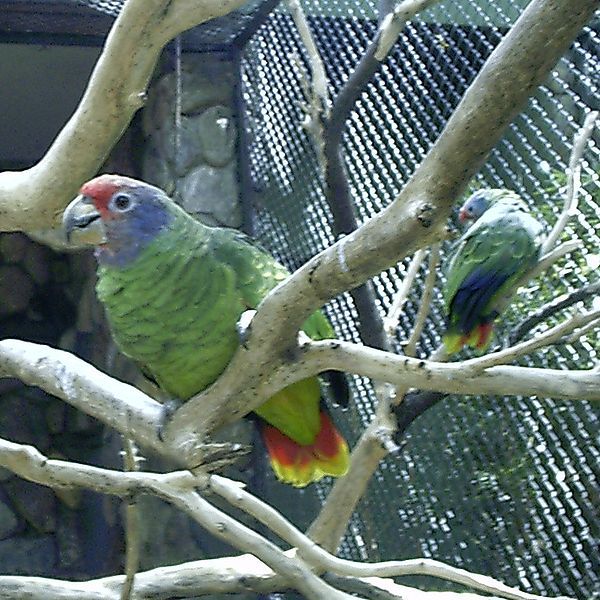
34, 198
573, 180
547, 338
551, 308
133, 413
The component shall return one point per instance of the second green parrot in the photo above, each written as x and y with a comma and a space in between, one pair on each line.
503, 243
174, 290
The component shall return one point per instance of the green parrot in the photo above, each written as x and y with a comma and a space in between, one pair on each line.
501, 245
174, 290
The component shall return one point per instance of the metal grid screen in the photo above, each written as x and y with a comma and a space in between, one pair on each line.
503, 486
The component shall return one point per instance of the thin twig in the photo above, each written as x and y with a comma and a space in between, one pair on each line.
317, 104
392, 319
410, 349
573, 180
591, 326
543, 264
393, 24
551, 308
547, 338
132, 523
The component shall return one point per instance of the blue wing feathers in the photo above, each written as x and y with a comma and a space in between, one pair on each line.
470, 301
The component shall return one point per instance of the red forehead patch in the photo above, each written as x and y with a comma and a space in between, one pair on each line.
101, 189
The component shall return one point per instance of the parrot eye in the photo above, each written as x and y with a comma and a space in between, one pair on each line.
121, 202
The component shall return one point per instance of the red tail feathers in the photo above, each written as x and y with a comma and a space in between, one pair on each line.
479, 338
300, 465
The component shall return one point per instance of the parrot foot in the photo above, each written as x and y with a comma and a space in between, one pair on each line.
244, 326
168, 409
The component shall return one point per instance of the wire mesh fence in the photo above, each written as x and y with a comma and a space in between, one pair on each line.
504, 486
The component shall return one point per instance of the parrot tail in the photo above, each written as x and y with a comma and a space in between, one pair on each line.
300, 465
479, 338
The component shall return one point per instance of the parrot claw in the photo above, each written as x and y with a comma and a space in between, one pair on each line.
169, 407
244, 326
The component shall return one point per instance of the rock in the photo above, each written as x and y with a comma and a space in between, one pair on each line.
22, 421
5, 474
36, 263
204, 83
31, 555
56, 415
184, 144
16, 289
35, 503
160, 106
217, 135
13, 247
8, 521
70, 539
156, 171
212, 194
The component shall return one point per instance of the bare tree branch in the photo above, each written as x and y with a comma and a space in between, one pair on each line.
179, 489
118, 405
34, 198
392, 319
551, 336
573, 180
132, 523
551, 308
410, 349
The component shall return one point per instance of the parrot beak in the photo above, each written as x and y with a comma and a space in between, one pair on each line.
82, 223
463, 216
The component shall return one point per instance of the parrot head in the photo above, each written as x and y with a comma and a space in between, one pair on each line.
118, 215
475, 206
478, 202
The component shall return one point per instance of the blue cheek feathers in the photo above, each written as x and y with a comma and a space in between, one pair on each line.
129, 236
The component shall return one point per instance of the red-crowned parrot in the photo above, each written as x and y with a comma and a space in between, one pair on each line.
492, 255
174, 289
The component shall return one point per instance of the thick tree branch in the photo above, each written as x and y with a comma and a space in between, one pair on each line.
33, 199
